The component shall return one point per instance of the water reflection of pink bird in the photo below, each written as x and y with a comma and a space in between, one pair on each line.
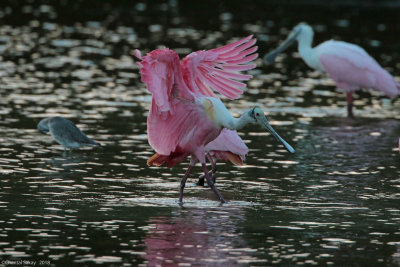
347, 64
185, 114
197, 237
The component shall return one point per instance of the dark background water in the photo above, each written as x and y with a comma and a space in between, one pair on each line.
335, 202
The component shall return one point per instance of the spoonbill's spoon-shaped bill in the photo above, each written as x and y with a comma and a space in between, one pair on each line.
260, 118
291, 39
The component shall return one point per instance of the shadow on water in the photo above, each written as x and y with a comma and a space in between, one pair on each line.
334, 202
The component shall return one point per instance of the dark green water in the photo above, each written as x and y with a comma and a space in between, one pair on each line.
334, 202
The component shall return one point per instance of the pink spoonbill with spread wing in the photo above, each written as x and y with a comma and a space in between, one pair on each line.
347, 64
185, 114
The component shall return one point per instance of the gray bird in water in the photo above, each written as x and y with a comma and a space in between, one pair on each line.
65, 133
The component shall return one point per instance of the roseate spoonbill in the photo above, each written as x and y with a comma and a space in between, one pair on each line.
65, 132
347, 64
185, 114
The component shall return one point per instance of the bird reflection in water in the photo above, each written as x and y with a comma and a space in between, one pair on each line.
197, 236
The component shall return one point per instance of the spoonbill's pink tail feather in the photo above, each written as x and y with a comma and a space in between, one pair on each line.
171, 160
156, 160
387, 84
235, 159
159, 160
228, 156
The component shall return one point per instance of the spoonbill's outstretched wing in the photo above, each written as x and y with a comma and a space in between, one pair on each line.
175, 119
160, 70
220, 69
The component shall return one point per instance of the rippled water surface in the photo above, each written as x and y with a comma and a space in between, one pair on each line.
334, 202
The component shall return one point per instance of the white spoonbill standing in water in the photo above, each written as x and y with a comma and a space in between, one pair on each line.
347, 64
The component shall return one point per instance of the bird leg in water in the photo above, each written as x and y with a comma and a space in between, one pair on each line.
211, 184
211, 173
183, 182
349, 98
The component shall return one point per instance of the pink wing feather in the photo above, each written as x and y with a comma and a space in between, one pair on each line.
220, 69
174, 118
186, 130
160, 70
175, 125
228, 140
352, 68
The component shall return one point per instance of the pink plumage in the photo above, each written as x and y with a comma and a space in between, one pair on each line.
352, 68
219, 69
176, 128
349, 65
227, 143
178, 125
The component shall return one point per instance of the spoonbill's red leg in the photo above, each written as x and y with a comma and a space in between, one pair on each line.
211, 173
183, 182
349, 98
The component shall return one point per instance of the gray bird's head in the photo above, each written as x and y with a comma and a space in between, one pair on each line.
43, 126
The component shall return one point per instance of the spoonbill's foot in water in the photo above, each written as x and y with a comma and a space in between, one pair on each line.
209, 182
183, 182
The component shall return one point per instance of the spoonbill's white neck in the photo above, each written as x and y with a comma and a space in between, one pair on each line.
239, 123
305, 40
307, 52
303, 34
221, 117
256, 115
